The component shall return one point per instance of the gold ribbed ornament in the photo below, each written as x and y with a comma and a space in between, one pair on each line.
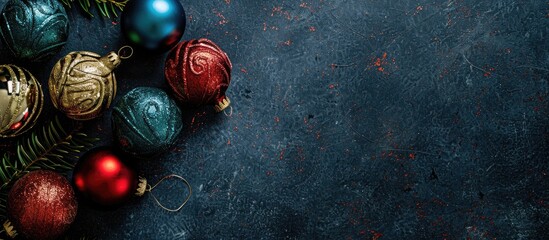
21, 100
82, 84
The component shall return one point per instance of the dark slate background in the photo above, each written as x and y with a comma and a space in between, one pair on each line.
356, 119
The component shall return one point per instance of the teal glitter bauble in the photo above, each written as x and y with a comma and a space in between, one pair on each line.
146, 121
34, 29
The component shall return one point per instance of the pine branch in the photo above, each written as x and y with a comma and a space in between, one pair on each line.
50, 148
105, 7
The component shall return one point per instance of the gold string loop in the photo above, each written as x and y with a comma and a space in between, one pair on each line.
230, 112
143, 187
121, 51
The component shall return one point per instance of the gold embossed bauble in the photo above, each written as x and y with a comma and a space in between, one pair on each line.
83, 85
21, 100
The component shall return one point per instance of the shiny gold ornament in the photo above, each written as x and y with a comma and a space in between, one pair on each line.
21, 100
83, 85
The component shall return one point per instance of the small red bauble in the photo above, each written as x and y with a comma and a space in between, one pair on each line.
42, 205
199, 73
103, 178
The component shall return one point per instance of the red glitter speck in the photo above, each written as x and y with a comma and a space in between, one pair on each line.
282, 153
489, 71
379, 63
307, 6
412, 156
223, 20
277, 119
124, 142
276, 10
244, 70
376, 235
312, 29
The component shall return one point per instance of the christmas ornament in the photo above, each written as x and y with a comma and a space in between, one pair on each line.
41, 205
199, 73
83, 84
34, 29
50, 147
155, 25
146, 121
102, 177
21, 100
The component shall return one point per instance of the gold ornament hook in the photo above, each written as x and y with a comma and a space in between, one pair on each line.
121, 51
144, 187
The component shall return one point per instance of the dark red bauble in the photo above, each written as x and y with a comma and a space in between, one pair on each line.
102, 177
42, 205
199, 73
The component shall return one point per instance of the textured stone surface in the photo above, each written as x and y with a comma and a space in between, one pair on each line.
350, 120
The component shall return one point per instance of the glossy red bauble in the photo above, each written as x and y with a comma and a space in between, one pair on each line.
199, 73
42, 205
102, 177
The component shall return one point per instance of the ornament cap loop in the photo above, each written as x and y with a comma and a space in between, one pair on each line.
222, 104
123, 54
144, 187
10, 230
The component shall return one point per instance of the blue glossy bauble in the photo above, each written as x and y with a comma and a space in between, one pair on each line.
146, 122
155, 25
34, 30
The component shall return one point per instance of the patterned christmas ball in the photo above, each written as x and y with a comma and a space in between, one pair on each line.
199, 73
42, 205
21, 100
34, 29
146, 121
83, 84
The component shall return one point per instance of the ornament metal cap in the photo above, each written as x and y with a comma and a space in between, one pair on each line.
224, 103
142, 187
10, 230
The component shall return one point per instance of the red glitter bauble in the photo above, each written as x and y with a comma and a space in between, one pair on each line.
102, 177
199, 73
42, 205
